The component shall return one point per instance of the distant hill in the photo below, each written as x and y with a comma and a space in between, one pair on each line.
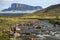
51, 12
22, 7
52, 9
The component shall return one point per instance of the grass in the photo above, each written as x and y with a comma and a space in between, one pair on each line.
6, 22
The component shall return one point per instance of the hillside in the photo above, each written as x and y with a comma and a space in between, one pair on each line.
52, 12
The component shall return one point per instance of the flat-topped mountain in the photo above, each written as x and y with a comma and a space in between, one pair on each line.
22, 7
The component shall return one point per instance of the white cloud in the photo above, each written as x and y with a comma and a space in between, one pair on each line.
7, 0
5, 4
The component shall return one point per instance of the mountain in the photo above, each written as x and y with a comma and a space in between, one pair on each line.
51, 12
22, 7
52, 9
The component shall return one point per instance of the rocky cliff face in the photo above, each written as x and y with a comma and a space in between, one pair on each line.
21, 7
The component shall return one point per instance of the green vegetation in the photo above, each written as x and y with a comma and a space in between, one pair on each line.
4, 37
52, 13
7, 22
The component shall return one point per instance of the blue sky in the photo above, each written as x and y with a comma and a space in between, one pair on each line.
44, 3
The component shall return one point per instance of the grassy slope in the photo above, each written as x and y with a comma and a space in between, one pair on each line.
51, 12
